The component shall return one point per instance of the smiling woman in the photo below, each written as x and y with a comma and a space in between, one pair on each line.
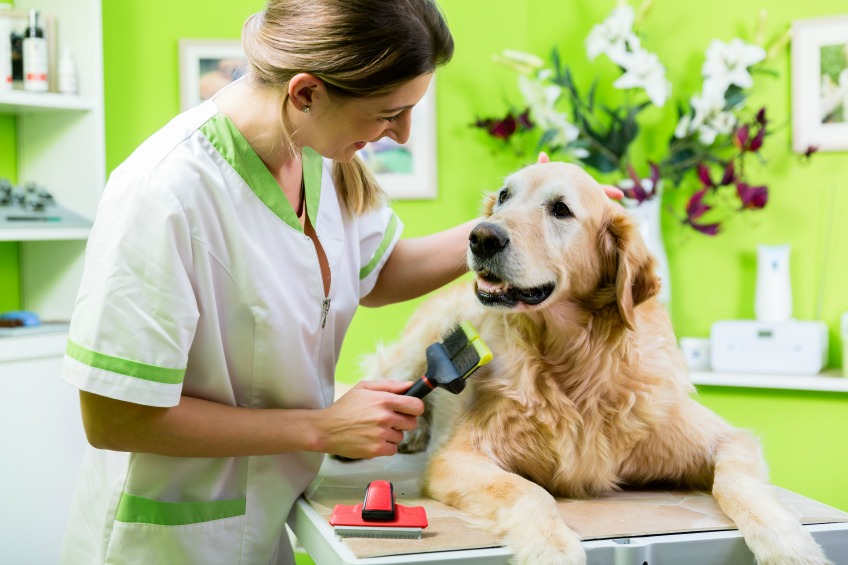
408, 171
229, 256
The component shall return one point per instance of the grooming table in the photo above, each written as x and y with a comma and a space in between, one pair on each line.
631, 527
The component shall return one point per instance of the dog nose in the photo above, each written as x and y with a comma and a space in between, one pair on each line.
486, 239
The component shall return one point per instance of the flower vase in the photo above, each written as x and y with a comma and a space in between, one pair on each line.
646, 216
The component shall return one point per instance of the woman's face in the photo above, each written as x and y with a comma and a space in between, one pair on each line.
341, 128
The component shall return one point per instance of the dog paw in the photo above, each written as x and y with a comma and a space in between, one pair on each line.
788, 544
415, 440
555, 545
573, 555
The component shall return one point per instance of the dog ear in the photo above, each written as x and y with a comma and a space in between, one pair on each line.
629, 265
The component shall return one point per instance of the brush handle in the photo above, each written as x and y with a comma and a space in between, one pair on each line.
420, 389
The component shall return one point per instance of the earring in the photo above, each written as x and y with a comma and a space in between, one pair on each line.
306, 109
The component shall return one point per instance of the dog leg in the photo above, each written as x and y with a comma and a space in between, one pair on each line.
740, 487
521, 513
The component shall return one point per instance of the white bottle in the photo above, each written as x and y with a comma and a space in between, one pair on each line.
773, 301
67, 72
35, 56
5, 49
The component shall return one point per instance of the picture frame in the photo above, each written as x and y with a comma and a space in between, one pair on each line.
820, 84
408, 171
206, 66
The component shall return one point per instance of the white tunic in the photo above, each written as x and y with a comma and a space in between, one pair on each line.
199, 280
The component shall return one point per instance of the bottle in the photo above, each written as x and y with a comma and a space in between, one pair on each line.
67, 74
773, 299
35, 56
5, 49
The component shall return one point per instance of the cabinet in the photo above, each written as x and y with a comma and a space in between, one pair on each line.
60, 145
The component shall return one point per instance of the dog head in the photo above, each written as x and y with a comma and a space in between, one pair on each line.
549, 235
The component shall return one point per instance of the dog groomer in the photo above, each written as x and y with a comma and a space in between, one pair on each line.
228, 256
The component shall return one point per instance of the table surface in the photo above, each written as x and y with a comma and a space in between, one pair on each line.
630, 527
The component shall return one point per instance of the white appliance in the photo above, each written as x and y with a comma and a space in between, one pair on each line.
785, 348
773, 298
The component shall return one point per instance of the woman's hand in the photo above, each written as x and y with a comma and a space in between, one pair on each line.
369, 420
613, 192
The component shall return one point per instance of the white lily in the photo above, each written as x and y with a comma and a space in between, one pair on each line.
520, 61
613, 36
710, 118
644, 70
542, 99
566, 132
728, 63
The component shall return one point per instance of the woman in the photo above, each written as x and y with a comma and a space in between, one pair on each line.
228, 257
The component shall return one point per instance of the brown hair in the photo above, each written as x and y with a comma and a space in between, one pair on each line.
358, 48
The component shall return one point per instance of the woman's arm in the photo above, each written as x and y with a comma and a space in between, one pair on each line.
366, 422
420, 265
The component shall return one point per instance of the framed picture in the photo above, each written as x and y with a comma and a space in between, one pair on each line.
820, 84
207, 66
408, 171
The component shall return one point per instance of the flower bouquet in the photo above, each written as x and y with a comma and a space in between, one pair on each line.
716, 131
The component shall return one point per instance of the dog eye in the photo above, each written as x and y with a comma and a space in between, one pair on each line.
561, 210
503, 195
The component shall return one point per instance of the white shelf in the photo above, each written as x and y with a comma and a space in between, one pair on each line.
33, 346
20, 102
829, 381
43, 234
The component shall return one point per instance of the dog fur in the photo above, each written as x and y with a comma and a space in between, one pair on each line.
587, 391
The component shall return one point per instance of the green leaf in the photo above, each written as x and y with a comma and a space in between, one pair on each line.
734, 97
590, 98
599, 161
545, 140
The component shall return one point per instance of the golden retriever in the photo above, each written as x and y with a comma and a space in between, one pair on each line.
587, 390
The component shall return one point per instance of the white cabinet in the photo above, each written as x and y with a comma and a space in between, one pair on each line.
60, 145
42, 444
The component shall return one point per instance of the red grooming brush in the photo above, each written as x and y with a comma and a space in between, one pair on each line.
379, 516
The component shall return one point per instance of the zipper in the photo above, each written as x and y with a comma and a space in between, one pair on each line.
325, 308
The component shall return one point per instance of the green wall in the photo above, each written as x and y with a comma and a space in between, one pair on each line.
712, 279
10, 287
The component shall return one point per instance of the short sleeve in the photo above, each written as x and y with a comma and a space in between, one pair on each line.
379, 232
135, 315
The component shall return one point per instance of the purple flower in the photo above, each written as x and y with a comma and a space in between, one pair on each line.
642, 189
757, 142
504, 128
729, 174
752, 197
728, 177
695, 208
742, 138
524, 120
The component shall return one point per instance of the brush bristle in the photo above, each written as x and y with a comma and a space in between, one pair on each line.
377, 532
466, 360
455, 341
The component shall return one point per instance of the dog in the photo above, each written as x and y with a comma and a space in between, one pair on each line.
587, 391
